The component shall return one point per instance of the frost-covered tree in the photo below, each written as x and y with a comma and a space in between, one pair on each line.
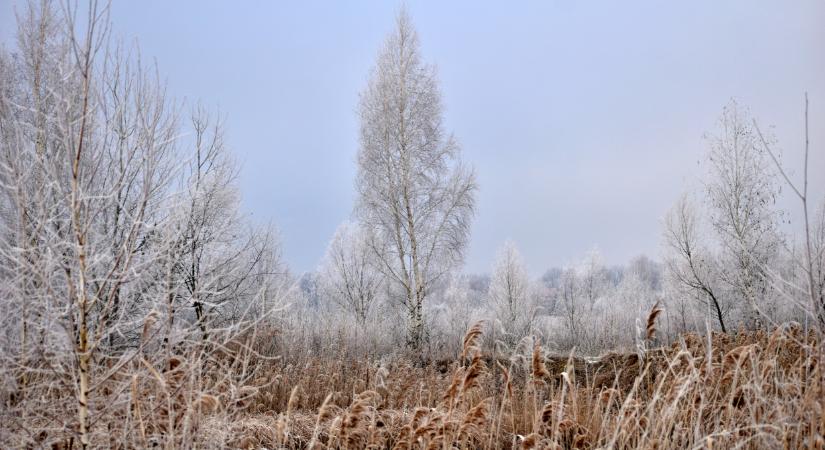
457, 309
741, 192
349, 276
647, 270
811, 258
593, 277
220, 262
817, 264
511, 296
86, 138
691, 266
96, 251
415, 196
569, 293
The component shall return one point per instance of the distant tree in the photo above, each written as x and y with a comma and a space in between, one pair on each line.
647, 270
348, 272
478, 285
461, 307
510, 295
552, 277
415, 196
593, 277
570, 298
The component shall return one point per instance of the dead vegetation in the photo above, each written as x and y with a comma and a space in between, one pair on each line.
745, 390
741, 390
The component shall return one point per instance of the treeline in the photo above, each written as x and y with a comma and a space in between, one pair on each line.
588, 305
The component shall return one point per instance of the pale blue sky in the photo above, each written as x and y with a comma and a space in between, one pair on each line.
584, 120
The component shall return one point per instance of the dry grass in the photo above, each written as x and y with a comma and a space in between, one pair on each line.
751, 390
748, 390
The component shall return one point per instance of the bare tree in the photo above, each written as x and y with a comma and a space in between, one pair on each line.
101, 131
817, 264
581, 288
221, 263
647, 270
741, 192
90, 247
814, 250
349, 275
415, 196
593, 281
511, 296
570, 298
689, 263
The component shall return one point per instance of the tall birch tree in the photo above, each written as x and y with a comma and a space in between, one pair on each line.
415, 195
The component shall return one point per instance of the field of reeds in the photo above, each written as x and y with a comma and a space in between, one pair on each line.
738, 390
742, 390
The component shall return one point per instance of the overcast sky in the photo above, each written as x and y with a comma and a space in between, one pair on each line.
583, 120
